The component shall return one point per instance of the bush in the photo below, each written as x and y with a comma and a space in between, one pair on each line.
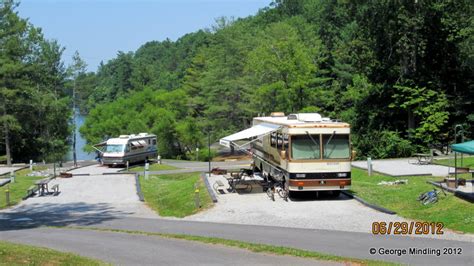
382, 144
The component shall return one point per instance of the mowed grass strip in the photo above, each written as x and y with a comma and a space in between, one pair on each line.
153, 167
466, 161
455, 213
173, 195
19, 188
258, 248
18, 254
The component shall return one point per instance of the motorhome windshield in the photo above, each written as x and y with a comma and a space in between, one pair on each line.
308, 147
336, 146
305, 147
114, 148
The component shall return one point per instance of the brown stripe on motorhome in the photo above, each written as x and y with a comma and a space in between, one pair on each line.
315, 183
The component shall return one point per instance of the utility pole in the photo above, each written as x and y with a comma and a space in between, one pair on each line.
74, 157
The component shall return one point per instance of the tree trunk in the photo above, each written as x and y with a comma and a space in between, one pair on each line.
411, 122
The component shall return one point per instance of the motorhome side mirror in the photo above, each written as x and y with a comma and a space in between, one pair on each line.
353, 155
283, 154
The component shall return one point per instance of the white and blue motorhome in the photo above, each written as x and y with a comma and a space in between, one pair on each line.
129, 148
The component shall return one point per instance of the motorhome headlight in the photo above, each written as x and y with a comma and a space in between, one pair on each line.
301, 175
341, 174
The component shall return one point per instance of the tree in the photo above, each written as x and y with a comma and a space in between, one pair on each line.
33, 118
77, 69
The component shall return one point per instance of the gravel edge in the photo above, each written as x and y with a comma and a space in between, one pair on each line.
209, 189
373, 206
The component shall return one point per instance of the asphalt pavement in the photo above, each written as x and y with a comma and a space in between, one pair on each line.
133, 249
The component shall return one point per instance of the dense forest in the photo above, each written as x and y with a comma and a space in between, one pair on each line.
34, 102
400, 72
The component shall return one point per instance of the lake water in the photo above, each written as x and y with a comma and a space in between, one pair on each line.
80, 142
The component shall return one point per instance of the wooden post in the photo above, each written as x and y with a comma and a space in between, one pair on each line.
196, 196
7, 195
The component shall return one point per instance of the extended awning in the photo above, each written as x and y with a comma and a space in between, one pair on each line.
465, 147
255, 131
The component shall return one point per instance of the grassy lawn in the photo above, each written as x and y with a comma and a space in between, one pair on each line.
466, 161
18, 189
455, 213
153, 167
16, 254
173, 195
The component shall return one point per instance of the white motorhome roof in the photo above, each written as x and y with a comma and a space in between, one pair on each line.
124, 139
305, 120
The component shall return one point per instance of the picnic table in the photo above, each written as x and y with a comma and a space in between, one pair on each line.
423, 158
43, 186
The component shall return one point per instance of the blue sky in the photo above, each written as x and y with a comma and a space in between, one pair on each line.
99, 29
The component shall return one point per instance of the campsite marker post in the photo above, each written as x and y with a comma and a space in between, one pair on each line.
369, 166
12, 176
147, 167
31, 165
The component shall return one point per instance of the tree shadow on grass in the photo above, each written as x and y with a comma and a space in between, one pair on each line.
56, 214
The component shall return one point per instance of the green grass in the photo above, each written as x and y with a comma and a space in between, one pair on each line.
466, 161
16, 254
153, 167
258, 248
3, 158
455, 213
19, 188
173, 195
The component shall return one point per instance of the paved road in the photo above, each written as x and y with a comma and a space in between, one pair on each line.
129, 249
341, 243
190, 166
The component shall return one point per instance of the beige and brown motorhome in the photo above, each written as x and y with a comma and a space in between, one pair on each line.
305, 151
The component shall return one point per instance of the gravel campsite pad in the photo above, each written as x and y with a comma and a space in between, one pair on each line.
94, 195
307, 211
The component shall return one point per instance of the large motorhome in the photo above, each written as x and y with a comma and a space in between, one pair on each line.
306, 152
129, 148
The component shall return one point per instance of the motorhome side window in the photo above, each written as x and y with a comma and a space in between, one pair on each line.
285, 142
336, 146
280, 141
154, 142
273, 139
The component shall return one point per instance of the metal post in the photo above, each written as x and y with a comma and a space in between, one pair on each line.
159, 159
369, 166
31, 165
74, 156
127, 165
12, 176
455, 170
209, 150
